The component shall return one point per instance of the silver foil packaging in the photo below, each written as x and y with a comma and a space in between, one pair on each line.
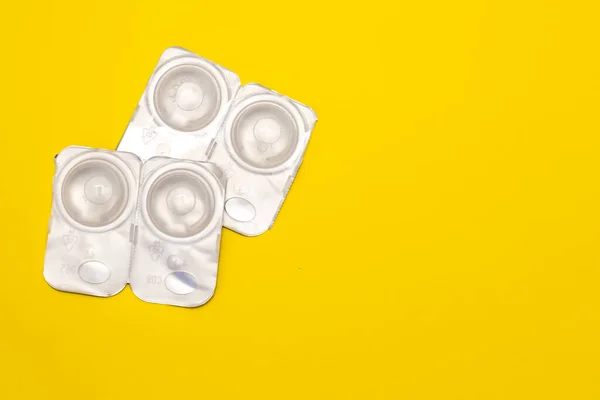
157, 224
195, 109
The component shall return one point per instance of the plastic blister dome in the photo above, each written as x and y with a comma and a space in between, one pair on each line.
264, 135
188, 95
96, 190
179, 202
94, 193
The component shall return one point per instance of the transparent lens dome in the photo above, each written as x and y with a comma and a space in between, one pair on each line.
264, 135
187, 97
94, 193
180, 204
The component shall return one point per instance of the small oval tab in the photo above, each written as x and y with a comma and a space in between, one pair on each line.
94, 272
240, 209
181, 282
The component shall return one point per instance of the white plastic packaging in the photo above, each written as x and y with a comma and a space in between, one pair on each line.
94, 199
179, 223
182, 107
158, 225
260, 148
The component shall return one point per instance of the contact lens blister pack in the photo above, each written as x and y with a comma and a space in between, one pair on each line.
194, 109
182, 107
93, 208
260, 147
200, 152
156, 224
178, 235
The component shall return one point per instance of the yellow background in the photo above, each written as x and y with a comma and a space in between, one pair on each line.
440, 240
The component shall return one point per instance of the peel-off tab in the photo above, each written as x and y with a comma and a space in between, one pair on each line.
182, 107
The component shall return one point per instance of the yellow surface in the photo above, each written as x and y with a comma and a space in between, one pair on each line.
440, 240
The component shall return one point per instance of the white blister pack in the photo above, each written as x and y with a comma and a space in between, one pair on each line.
178, 232
93, 207
260, 147
157, 225
182, 107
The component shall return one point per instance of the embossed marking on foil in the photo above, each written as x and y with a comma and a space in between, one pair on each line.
156, 250
70, 241
148, 135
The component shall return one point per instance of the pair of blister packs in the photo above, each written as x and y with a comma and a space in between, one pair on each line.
201, 152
